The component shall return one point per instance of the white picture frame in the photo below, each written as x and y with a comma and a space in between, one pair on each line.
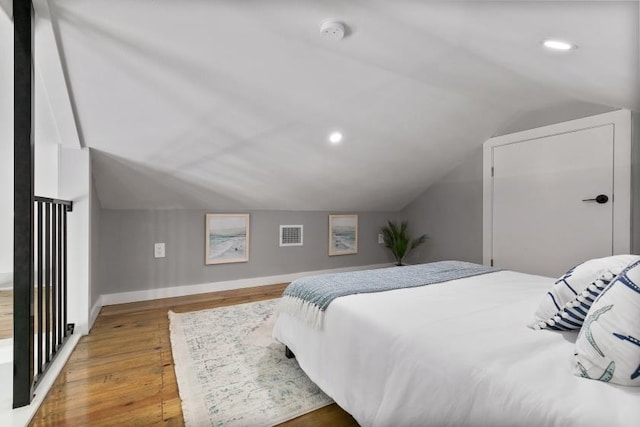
226, 238
343, 234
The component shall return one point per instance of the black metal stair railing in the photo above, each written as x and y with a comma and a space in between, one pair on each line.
42, 332
50, 302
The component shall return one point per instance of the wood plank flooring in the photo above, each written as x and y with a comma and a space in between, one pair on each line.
122, 374
6, 314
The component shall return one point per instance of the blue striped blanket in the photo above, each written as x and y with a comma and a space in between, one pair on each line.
308, 297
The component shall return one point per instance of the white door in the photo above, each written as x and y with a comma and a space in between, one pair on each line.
541, 225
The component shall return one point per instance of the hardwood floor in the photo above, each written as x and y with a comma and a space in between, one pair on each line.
121, 374
6, 314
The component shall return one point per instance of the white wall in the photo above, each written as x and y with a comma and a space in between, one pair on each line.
46, 169
46, 139
75, 185
96, 219
6, 149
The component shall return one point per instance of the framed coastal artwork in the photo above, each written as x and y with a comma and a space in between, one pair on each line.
343, 234
227, 238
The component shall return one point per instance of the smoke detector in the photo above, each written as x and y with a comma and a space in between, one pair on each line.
332, 30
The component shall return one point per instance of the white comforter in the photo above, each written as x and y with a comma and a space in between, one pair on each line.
453, 354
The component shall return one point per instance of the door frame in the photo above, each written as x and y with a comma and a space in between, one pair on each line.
621, 197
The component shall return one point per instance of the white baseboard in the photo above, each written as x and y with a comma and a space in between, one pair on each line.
95, 311
6, 281
179, 291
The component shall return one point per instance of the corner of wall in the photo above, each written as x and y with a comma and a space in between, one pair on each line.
95, 311
450, 213
94, 244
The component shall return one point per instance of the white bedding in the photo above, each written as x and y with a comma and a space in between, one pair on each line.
453, 354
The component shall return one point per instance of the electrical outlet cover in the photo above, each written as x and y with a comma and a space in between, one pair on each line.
158, 250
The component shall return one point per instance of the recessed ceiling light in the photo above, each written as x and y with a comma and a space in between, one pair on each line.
335, 137
558, 45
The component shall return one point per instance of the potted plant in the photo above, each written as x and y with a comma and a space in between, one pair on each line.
397, 239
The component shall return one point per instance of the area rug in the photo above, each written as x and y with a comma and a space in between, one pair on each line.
231, 372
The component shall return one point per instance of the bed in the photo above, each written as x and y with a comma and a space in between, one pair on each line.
456, 353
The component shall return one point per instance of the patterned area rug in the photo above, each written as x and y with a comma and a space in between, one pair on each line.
231, 372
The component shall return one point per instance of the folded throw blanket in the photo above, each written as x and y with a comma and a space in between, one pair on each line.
308, 297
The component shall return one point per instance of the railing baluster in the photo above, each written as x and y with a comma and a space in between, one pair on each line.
47, 283
40, 266
54, 276
60, 231
64, 282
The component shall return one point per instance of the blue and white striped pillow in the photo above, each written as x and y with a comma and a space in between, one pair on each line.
567, 303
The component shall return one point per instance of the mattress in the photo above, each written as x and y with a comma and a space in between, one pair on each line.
457, 353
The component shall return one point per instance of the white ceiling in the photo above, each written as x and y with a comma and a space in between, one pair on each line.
228, 104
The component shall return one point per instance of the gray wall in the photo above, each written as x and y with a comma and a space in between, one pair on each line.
127, 238
635, 184
450, 213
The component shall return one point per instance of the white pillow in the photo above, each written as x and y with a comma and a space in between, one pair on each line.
608, 346
566, 304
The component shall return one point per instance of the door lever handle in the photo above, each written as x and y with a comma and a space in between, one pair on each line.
600, 198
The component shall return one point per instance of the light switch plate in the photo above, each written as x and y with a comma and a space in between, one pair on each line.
380, 239
158, 250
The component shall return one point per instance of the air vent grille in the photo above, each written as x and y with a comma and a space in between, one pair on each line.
290, 235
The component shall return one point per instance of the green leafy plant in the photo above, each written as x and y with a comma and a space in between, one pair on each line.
396, 238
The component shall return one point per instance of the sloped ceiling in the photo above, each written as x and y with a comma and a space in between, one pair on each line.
228, 104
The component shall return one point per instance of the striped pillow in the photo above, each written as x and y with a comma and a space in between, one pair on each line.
567, 303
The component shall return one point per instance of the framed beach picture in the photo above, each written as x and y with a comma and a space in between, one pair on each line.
343, 234
227, 238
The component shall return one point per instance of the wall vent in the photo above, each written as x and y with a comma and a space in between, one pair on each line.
290, 235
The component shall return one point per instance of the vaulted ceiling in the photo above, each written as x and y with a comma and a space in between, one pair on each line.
228, 104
